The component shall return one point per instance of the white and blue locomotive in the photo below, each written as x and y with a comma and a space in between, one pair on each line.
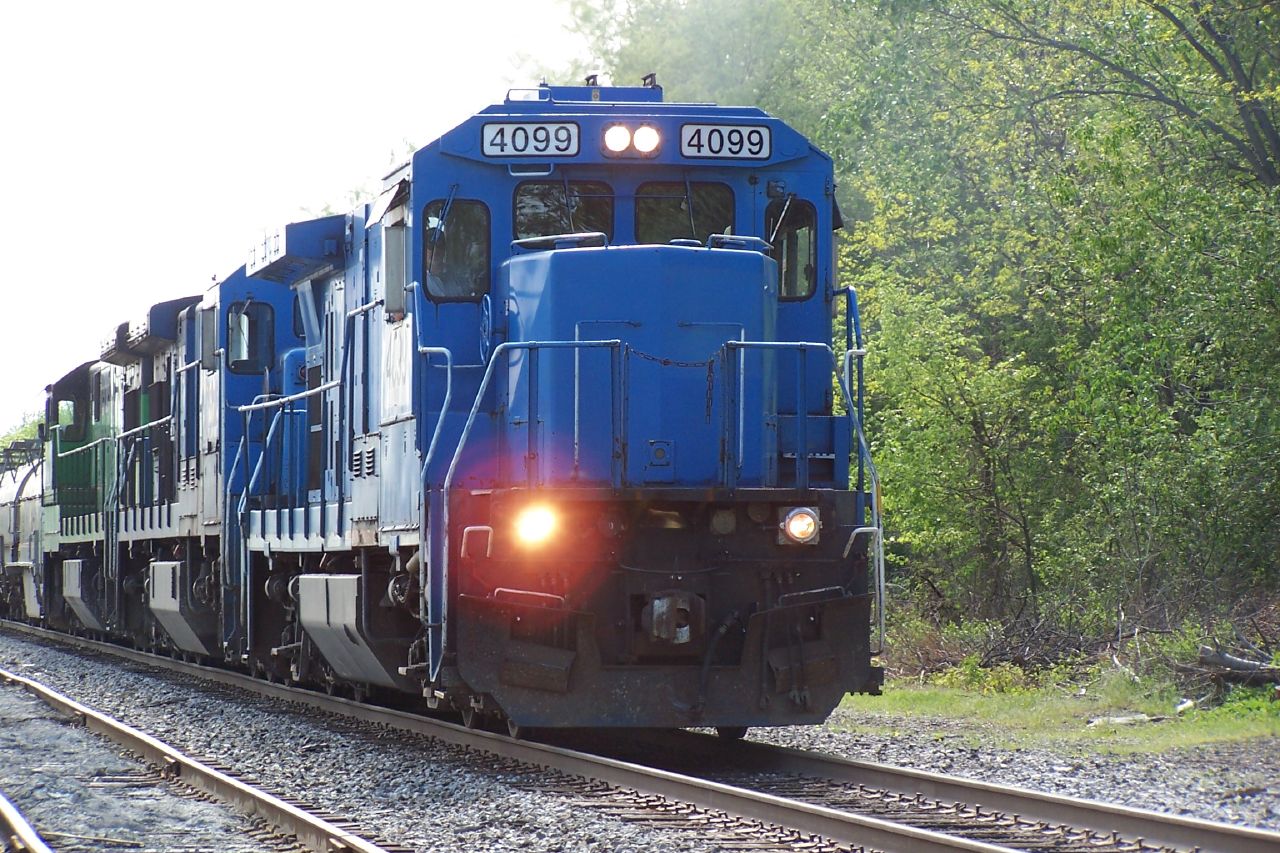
552, 433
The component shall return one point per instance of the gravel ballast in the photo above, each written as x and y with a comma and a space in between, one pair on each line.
407, 790
80, 793
424, 794
1235, 783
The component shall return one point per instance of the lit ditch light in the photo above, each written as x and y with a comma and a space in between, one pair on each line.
800, 526
535, 525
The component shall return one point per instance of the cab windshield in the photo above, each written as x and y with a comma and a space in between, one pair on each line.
674, 210
546, 208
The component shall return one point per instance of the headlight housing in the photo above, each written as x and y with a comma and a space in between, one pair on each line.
536, 525
646, 139
617, 138
800, 525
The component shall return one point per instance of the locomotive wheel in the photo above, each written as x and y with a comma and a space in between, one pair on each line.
731, 732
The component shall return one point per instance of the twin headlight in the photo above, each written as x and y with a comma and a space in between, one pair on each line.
620, 139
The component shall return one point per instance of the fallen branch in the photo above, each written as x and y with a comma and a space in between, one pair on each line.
1215, 658
1246, 642
1234, 669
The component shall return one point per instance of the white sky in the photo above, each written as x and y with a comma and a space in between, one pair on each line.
144, 145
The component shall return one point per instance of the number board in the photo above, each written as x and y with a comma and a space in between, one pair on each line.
529, 139
726, 141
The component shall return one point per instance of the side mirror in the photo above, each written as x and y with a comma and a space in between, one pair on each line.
209, 339
42, 432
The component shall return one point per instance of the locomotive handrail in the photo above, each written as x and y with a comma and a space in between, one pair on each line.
568, 240
112, 503
801, 348
444, 407
853, 344
292, 398
231, 530
158, 422
741, 242
242, 504
82, 448
876, 529
864, 458
502, 349
424, 604
363, 309
257, 468
433, 614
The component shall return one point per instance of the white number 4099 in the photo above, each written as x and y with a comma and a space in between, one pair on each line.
529, 139
725, 141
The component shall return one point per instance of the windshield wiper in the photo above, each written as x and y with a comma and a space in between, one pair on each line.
781, 217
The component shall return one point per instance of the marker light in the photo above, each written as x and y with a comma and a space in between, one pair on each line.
535, 525
801, 525
617, 139
646, 139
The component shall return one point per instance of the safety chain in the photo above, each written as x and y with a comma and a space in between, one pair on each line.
709, 364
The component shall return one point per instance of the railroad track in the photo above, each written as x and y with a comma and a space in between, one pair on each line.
19, 835
1010, 817
312, 830
762, 797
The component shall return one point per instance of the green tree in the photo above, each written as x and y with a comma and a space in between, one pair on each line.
1065, 232
25, 429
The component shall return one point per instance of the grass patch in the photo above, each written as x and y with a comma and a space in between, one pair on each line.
1057, 717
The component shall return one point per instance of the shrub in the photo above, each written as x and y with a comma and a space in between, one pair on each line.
970, 674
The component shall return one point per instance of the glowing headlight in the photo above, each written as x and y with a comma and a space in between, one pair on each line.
801, 526
617, 139
535, 525
646, 139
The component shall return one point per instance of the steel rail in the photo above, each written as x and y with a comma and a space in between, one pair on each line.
839, 826
312, 832
1153, 828
19, 835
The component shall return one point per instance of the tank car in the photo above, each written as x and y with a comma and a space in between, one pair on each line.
552, 432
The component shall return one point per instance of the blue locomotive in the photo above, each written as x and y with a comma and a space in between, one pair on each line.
551, 433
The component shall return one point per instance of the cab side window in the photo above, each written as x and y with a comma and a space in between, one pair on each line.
250, 336
455, 250
791, 227
71, 417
